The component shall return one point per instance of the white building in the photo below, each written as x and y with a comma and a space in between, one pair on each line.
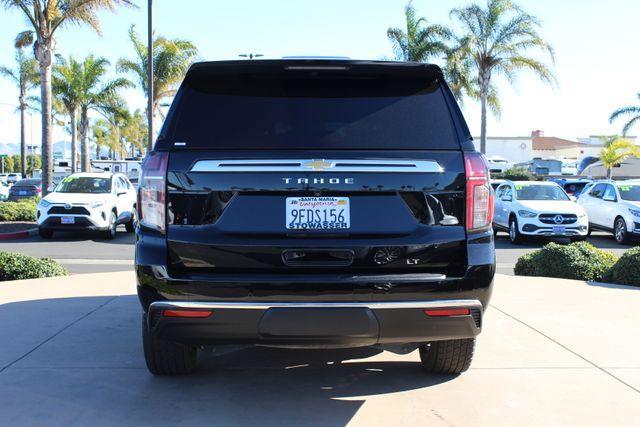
516, 149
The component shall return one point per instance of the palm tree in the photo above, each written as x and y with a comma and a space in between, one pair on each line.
100, 132
98, 95
419, 41
458, 72
25, 76
615, 151
632, 110
499, 38
134, 131
47, 17
67, 80
171, 59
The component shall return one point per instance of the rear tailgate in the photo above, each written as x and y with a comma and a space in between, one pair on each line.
378, 141
231, 222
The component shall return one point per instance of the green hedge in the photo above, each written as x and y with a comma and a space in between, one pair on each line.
579, 261
516, 174
17, 267
24, 210
627, 270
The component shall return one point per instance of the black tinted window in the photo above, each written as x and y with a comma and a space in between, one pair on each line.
312, 113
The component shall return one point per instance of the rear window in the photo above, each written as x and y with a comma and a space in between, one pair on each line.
274, 112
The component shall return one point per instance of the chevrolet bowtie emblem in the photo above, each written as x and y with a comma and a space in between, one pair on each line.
318, 165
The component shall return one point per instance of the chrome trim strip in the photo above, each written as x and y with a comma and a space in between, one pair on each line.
382, 305
319, 165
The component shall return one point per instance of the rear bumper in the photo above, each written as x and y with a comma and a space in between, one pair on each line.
315, 324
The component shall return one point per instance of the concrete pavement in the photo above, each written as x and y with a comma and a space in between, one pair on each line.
552, 352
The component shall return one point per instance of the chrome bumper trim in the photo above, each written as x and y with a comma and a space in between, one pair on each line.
382, 305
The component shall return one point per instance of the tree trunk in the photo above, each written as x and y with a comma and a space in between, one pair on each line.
74, 140
84, 140
47, 148
23, 135
44, 52
484, 94
609, 173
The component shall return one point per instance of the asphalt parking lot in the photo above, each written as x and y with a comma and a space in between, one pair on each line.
552, 352
86, 253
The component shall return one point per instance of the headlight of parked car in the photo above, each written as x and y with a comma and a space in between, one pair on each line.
96, 204
527, 214
635, 212
44, 204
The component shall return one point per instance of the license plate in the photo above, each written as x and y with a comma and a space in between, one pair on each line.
67, 220
22, 193
318, 213
557, 229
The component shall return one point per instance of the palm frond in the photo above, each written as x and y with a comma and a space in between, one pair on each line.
24, 39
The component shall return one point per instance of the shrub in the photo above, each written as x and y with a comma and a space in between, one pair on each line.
626, 270
580, 261
18, 211
18, 266
517, 174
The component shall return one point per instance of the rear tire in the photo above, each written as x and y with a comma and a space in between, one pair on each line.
447, 357
166, 358
45, 234
131, 225
620, 231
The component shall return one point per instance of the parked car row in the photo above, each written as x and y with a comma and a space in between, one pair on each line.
546, 209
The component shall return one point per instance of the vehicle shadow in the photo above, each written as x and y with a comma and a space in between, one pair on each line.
614, 286
122, 238
600, 240
85, 363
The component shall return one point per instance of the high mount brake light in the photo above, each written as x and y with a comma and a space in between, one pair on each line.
479, 194
152, 191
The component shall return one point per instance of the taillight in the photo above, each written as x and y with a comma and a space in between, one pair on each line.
479, 194
152, 191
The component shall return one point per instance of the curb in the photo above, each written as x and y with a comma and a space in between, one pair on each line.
19, 234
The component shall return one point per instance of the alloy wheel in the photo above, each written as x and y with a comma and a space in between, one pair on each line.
619, 231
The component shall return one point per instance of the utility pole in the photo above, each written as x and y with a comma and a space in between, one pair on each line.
150, 72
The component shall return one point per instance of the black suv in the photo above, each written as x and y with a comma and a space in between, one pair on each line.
314, 204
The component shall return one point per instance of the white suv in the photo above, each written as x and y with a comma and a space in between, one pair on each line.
88, 202
536, 208
615, 207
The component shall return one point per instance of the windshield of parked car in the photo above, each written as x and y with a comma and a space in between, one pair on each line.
630, 192
540, 192
77, 184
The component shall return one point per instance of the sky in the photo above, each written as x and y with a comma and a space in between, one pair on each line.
596, 44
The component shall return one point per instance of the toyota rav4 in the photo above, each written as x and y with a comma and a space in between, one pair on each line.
314, 204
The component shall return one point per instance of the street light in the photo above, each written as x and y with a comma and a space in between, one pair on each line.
250, 55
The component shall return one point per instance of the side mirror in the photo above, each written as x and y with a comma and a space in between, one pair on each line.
507, 198
51, 188
609, 199
573, 198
